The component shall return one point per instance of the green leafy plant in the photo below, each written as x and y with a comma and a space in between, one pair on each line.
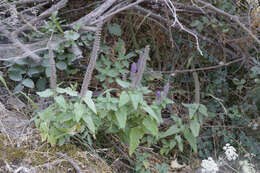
30, 74
64, 118
190, 130
130, 115
142, 165
110, 70
162, 168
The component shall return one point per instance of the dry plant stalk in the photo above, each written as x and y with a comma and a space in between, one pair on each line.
92, 62
141, 67
53, 77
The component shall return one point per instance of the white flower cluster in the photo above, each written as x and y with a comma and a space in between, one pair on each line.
209, 166
230, 152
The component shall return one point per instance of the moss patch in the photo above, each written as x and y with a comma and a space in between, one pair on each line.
44, 158
10, 154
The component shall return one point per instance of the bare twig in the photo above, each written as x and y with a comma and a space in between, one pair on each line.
176, 21
109, 14
71, 161
124, 155
17, 42
201, 69
30, 1
232, 17
35, 48
96, 13
46, 13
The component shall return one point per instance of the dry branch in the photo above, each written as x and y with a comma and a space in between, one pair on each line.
95, 13
17, 42
71, 161
92, 62
232, 17
43, 15
203, 68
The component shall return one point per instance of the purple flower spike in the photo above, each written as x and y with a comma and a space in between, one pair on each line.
158, 95
138, 63
166, 89
133, 71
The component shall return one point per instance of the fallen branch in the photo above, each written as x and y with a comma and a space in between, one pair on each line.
232, 17
18, 43
71, 161
109, 14
199, 69
46, 13
173, 10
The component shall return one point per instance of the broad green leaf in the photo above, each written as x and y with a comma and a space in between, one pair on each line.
171, 131
114, 29
195, 128
255, 70
180, 143
44, 136
71, 35
91, 126
87, 99
15, 76
200, 118
68, 91
205, 20
64, 116
21, 61
52, 140
46, 62
121, 116
195, 23
151, 125
60, 100
135, 98
46, 93
20, 69
18, 88
46, 115
130, 55
200, 26
191, 139
203, 110
150, 111
61, 65
28, 83
135, 135
124, 98
34, 70
123, 83
79, 110
41, 84
192, 109
61, 141
44, 127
